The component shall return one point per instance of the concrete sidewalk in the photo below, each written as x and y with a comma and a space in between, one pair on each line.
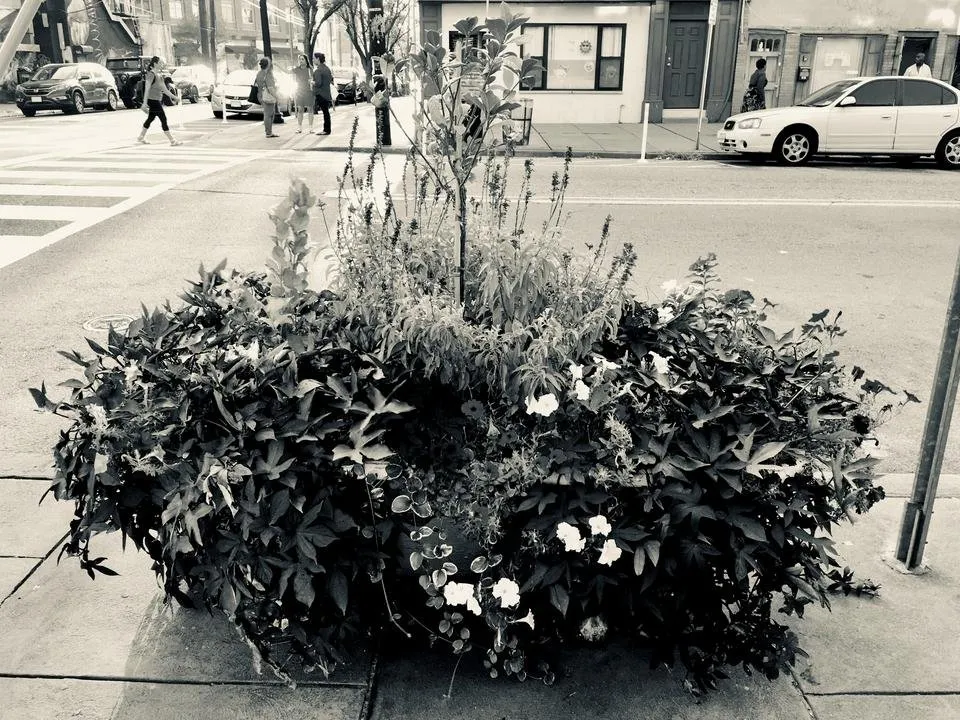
110, 649
673, 139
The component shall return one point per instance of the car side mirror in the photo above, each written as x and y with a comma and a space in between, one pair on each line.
83, 77
848, 100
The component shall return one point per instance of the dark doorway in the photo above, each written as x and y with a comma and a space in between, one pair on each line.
686, 45
912, 46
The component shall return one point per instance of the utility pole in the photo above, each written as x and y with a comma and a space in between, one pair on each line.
202, 21
265, 29
212, 7
378, 46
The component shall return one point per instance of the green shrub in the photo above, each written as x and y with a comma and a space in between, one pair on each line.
546, 462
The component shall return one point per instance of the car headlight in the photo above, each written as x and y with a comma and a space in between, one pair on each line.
749, 124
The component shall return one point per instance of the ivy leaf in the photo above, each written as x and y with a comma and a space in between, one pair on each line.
337, 585
303, 587
401, 504
559, 598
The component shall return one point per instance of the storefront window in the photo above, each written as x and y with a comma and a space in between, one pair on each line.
246, 14
836, 58
227, 10
575, 57
176, 9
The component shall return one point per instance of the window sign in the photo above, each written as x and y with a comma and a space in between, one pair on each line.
575, 57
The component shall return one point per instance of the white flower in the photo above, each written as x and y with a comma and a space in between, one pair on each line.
610, 553
457, 593
99, 415
669, 286
528, 619
605, 364
581, 390
251, 352
99, 463
570, 537
576, 371
599, 525
131, 374
665, 314
593, 629
507, 591
544, 405
660, 363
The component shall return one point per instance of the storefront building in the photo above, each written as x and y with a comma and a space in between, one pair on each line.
812, 43
594, 55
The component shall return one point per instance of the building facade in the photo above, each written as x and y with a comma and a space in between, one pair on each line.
812, 43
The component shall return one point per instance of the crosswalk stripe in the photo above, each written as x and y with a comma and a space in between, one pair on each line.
68, 190
106, 163
153, 178
48, 212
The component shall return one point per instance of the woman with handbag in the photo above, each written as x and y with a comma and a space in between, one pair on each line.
755, 98
266, 85
154, 88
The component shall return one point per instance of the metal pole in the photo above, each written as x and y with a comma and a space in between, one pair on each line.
919, 508
18, 29
265, 29
643, 137
703, 87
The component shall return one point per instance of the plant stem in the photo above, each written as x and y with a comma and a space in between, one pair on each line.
453, 677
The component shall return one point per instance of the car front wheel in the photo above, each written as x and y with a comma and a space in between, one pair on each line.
948, 153
28, 112
76, 103
111, 100
794, 147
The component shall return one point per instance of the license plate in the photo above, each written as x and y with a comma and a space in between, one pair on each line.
36, 98
235, 105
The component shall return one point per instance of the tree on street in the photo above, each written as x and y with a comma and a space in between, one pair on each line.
362, 29
315, 13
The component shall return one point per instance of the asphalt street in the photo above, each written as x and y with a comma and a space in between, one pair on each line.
872, 239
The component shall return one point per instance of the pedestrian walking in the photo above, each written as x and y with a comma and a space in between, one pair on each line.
755, 98
919, 67
154, 88
322, 80
267, 93
304, 98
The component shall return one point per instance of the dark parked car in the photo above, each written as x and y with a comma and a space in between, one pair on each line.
193, 82
69, 87
129, 73
347, 80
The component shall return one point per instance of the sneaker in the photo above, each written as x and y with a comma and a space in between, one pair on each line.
176, 142
299, 130
272, 135
142, 141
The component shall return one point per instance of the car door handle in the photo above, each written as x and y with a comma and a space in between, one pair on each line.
886, 117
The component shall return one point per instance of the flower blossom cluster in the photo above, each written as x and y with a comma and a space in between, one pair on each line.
573, 541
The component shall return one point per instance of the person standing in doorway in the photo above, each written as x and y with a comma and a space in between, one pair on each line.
154, 88
755, 98
322, 80
919, 67
304, 99
267, 91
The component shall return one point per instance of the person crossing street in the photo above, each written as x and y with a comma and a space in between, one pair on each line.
153, 91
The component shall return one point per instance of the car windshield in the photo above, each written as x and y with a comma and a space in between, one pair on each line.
123, 64
829, 94
56, 72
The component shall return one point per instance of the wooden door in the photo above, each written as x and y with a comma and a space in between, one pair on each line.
686, 44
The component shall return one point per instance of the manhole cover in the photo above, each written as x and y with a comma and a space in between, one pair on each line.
119, 321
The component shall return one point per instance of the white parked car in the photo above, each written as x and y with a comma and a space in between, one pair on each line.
905, 117
235, 89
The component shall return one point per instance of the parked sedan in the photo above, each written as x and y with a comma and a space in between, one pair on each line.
67, 87
905, 117
193, 81
347, 81
235, 88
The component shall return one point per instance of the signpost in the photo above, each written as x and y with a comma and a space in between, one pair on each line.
919, 508
711, 22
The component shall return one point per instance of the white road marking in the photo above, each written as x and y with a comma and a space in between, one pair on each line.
756, 202
23, 177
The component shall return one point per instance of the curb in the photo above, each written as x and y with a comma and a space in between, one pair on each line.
546, 153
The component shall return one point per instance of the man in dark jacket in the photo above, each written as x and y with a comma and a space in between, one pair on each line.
322, 80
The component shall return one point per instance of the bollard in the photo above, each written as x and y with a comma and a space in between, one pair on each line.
643, 137
223, 103
179, 109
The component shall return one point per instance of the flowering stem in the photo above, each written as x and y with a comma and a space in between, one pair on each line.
383, 585
453, 677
